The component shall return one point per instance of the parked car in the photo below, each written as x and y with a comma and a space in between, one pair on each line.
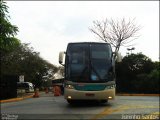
28, 86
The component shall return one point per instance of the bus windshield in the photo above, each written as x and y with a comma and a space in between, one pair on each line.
88, 62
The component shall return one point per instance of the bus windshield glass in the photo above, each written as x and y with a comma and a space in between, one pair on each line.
100, 59
88, 62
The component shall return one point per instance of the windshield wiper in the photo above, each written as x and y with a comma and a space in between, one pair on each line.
80, 77
95, 72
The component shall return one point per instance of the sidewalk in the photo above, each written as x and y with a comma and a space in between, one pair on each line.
27, 95
127, 94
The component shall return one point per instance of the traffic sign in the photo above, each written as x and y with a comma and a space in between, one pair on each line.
21, 78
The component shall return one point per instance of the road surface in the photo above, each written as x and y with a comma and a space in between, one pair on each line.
47, 106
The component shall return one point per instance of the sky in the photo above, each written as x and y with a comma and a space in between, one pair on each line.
50, 25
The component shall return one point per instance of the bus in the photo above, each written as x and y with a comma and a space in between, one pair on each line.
89, 69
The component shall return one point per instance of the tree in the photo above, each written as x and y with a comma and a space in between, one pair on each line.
138, 63
137, 74
7, 31
117, 33
18, 58
23, 60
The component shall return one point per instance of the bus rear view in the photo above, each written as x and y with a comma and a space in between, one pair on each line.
89, 72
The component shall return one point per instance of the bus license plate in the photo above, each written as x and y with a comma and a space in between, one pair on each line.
89, 94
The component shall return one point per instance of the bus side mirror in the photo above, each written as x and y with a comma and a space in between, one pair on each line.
61, 56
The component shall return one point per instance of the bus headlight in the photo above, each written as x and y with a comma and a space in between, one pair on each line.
69, 97
110, 87
110, 97
69, 86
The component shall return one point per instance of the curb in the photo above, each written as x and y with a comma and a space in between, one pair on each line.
137, 94
16, 99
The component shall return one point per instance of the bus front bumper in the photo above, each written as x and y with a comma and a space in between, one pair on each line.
89, 95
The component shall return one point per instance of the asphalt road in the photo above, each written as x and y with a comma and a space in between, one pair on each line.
47, 106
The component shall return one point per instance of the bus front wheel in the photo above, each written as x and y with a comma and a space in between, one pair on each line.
103, 101
71, 101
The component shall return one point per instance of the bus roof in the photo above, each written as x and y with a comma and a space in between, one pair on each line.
88, 43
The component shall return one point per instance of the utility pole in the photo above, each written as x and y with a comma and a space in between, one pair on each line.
130, 49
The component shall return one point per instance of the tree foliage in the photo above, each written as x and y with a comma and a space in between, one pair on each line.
117, 33
25, 61
137, 74
18, 58
7, 30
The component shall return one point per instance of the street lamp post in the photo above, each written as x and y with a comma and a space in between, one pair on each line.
130, 49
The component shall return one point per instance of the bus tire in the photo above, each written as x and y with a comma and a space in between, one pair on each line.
71, 101
103, 101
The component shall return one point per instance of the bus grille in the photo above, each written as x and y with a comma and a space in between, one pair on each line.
90, 87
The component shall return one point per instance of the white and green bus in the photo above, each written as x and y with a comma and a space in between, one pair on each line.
89, 72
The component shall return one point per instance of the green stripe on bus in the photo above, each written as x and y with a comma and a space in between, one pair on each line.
90, 87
